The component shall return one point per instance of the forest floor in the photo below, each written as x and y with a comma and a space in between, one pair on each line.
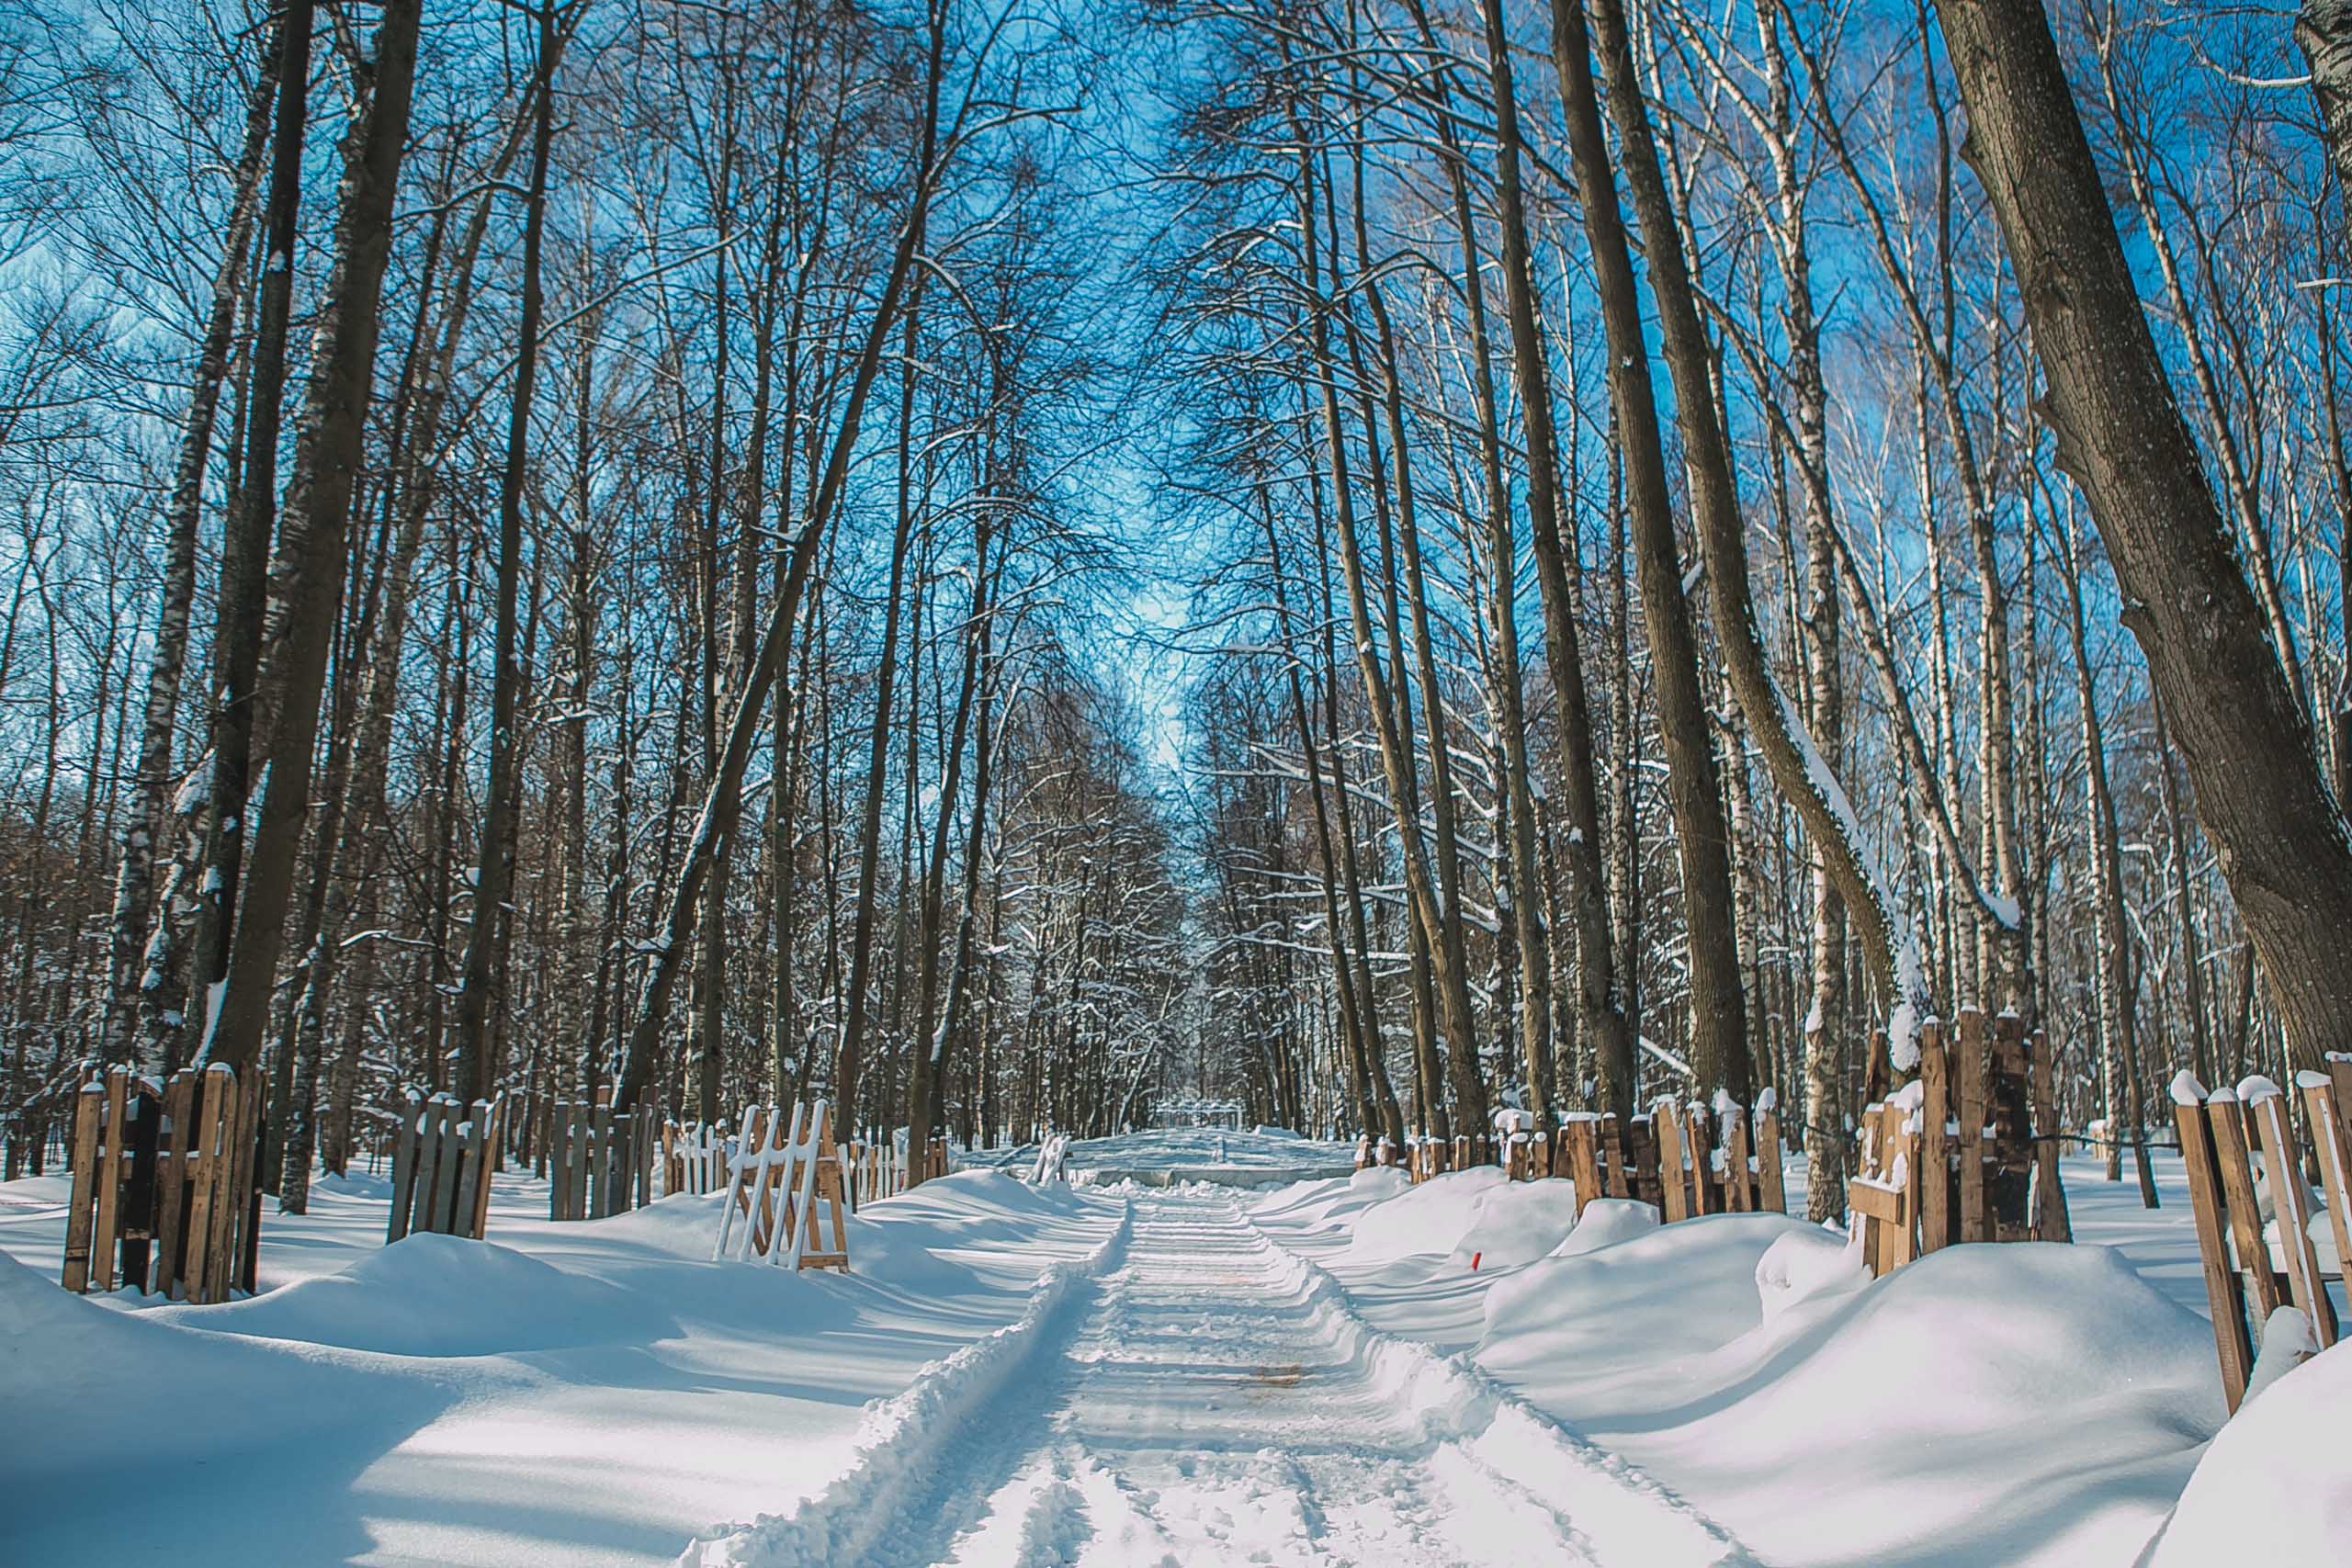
1121, 1376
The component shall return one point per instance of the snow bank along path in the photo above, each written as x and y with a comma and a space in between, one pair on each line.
1195, 1393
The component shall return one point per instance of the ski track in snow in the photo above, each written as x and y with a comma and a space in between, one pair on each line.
1196, 1394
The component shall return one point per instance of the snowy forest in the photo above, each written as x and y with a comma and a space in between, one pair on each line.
1004, 562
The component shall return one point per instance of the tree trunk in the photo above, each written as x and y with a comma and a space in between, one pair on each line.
495, 874
1798, 769
326, 460
246, 541
2323, 30
2121, 437
184, 514
1718, 1020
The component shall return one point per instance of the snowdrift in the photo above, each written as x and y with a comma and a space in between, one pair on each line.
2014, 1404
2274, 1483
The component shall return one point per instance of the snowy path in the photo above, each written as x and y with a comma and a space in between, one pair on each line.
1208, 1403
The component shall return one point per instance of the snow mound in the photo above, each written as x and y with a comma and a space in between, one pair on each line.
1607, 1222
93, 1393
2277, 1472
1517, 1222
440, 1295
1329, 1203
1805, 1264
1944, 1397
1690, 1286
1431, 1218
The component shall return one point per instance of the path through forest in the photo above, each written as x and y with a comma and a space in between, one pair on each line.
1204, 1397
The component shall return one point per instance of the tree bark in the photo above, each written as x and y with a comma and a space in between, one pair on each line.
495, 874
318, 511
2323, 31
2121, 437
1719, 1053
1798, 770
184, 514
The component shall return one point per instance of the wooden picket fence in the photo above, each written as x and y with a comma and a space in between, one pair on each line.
164, 1198
1435, 1157
441, 1163
2220, 1133
878, 1170
785, 1169
694, 1158
600, 1162
1968, 1151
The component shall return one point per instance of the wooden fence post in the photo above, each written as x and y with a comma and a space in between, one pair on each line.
2224, 1290
1935, 1138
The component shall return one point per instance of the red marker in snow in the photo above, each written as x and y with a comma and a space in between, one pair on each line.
1474, 1261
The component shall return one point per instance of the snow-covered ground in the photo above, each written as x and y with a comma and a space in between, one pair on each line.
1341, 1370
1263, 1157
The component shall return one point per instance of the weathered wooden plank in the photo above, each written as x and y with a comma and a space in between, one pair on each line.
176, 1148
1968, 1087
109, 1173
1739, 1189
2226, 1118
479, 1219
89, 1118
2329, 1140
2291, 1207
1698, 1144
1771, 1194
1580, 1147
456, 1135
405, 1152
1935, 1138
243, 1233
559, 1162
1666, 1127
2223, 1291
1615, 1170
599, 1164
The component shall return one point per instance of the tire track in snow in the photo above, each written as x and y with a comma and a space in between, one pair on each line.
1197, 1394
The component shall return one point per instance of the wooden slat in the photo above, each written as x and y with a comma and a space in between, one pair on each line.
218, 1088
2223, 1291
243, 1233
110, 1171
1968, 1091
1739, 1189
473, 1176
1935, 1138
404, 1152
1614, 1167
1699, 1141
447, 1162
2227, 1119
2324, 1110
435, 1151
480, 1217
1667, 1128
89, 1117
600, 1161
2290, 1207
175, 1151
1580, 1146
1771, 1195
559, 1162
